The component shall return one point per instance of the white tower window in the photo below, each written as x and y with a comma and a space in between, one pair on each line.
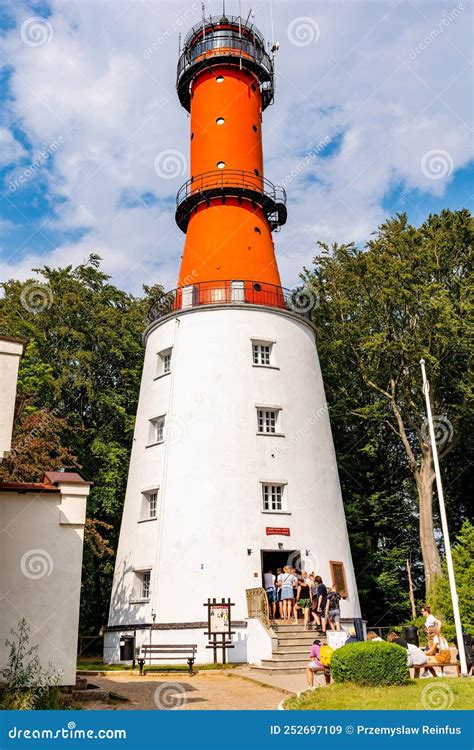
164, 363
267, 421
141, 585
145, 584
157, 430
273, 496
262, 353
149, 508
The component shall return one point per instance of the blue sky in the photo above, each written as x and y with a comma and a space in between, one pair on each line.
372, 115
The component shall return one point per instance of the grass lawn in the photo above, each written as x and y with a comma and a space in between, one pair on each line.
433, 693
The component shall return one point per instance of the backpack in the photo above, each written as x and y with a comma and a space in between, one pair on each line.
325, 655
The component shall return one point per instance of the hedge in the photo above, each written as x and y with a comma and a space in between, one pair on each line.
370, 663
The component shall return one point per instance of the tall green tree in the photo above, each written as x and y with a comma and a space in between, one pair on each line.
406, 295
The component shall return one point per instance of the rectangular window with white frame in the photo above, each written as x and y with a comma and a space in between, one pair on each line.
145, 584
268, 420
149, 507
156, 430
163, 366
273, 497
262, 353
142, 585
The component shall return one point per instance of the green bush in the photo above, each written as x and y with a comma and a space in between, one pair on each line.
370, 664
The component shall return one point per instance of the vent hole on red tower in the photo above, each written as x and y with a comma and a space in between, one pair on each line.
220, 164
192, 136
256, 172
257, 287
219, 79
258, 230
220, 121
254, 128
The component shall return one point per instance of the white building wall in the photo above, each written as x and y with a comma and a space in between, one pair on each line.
210, 467
40, 572
10, 353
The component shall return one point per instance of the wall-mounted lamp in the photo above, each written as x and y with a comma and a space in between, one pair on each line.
249, 551
280, 545
307, 552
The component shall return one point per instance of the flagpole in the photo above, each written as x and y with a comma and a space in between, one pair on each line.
444, 525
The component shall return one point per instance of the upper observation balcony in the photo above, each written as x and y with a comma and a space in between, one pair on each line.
225, 40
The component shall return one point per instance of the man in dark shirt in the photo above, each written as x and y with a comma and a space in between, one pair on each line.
393, 637
320, 595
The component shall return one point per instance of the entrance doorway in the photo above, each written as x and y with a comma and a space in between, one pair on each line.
278, 558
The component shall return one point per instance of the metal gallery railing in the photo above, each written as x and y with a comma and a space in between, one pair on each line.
299, 300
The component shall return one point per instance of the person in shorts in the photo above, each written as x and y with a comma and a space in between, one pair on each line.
315, 665
287, 582
303, 601
333, 612
269, 582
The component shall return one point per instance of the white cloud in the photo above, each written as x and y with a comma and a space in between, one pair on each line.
114, 105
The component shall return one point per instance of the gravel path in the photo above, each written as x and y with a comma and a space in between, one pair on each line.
204, 691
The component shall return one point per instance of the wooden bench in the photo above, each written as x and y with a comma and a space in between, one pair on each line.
156, 652
434, 664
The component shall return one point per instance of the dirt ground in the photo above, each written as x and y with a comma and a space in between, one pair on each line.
204, 691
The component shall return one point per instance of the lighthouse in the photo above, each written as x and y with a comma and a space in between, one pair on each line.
233, 470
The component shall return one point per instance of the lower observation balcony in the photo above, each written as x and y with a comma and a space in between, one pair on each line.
221, 184
207, 293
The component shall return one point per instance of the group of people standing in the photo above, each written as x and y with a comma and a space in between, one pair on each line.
290, 592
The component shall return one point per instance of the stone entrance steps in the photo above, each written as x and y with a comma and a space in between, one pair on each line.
292, 652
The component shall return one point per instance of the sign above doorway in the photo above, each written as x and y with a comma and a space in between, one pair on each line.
275, 531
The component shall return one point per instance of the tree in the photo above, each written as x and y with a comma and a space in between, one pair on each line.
382, 308
37, 446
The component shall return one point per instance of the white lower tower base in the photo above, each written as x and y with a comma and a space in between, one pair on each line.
211, 528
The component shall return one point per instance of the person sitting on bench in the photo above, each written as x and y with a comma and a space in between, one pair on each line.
315, 665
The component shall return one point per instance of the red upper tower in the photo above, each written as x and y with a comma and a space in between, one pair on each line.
227, 208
